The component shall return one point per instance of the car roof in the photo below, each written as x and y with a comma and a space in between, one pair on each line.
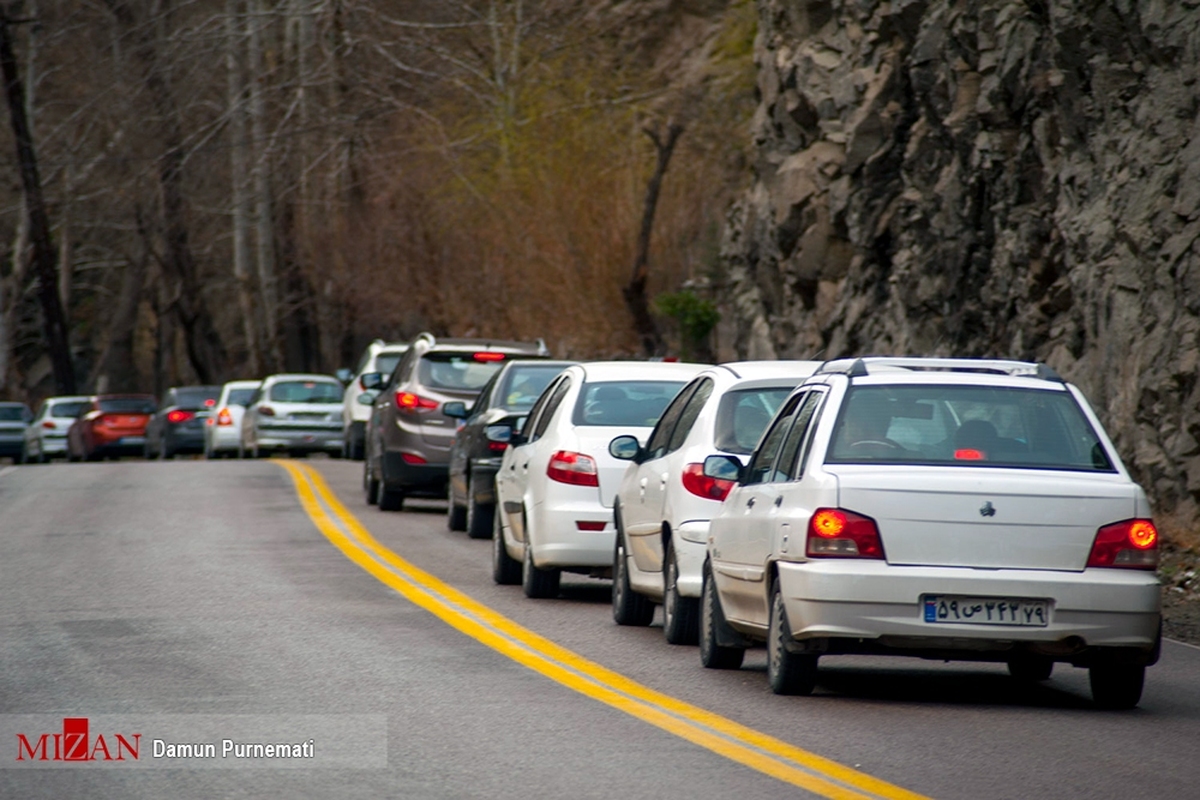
301, 376
122, 396
242, 384
68, 398
755, 370
639, 370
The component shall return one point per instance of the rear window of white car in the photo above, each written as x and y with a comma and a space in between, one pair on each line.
69, 409
306, 392
240, 397
633, 403
743, 415
385, 363
981, 426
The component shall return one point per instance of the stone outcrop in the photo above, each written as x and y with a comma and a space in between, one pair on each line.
1009, 178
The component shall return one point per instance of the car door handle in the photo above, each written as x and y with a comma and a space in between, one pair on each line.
750, 503
779, 501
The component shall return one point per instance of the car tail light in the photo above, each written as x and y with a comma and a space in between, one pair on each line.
574, 468
490, 356
48, 425
497, 447
412, 458
224, 417
969, 454
837, 533
266, 411
407, 401
588, 525
209, 402
179, 415
1132, 544
699, 484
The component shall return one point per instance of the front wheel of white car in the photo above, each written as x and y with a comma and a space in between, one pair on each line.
787, 672
681, 615
1117, 686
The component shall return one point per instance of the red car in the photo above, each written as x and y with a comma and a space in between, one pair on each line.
110, 425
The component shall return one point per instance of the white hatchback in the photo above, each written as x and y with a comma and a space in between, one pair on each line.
557, 480
223, 429
296, 413
46, 436
665, 501
940, 508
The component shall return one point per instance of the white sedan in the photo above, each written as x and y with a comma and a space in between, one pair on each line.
223, 429
665, 501
940, 508
556, 483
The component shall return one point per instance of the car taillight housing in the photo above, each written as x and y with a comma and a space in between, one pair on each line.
179, 415
699, 484
1130, 544
412, 458
838, 533
574, 468
413, 403
224, 417
49, 425
266, 411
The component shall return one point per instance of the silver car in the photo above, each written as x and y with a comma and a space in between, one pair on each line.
295, 413
46, 436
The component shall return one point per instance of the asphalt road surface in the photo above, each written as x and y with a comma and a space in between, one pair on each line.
206, 593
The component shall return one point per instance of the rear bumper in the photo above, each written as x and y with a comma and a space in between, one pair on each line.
428, 479
299, 439
558, 542
846, 599
223, 437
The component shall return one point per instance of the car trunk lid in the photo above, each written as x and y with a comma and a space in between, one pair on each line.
593, 441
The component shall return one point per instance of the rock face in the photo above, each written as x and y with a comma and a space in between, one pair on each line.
1007, 178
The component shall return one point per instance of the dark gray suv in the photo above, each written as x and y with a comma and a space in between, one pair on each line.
408, 436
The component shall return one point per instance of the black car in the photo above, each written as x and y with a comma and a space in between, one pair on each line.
480, 442
178, 426
14, 418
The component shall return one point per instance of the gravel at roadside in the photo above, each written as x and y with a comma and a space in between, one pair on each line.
1180, 573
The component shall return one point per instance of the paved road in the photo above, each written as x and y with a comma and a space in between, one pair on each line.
204, 588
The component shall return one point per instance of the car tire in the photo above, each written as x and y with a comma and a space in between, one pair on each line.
456, 515
1116, 686
787, 672
538, 583
628, 607
479, 515
681, 615
388, 499
1030, 668
355, 449
165, 452
712, 654
370, 484
19, 458
91, 457
506, 570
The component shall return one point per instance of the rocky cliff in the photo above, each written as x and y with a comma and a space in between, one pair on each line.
1010, 178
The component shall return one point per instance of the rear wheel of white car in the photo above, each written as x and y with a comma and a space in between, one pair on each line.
479, 515
1117, 686
787, 672
681, 615
538, 583
1030, 668
629, 607
506, 570
712, 654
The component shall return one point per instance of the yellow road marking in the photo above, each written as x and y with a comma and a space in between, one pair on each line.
725, 737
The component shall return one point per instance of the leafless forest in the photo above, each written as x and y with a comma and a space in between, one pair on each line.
235, 187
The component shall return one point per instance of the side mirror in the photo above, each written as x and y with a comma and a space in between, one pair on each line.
625, 448
368, 398
344, 375
498, 433
455, 410
371, 380
724, 468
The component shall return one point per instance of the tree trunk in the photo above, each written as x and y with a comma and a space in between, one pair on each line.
53, 319
239, 156
264, 205
115, 366
635, 290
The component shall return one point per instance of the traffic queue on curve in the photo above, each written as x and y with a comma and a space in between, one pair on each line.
937, 508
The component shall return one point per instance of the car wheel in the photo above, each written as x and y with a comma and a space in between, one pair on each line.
1030, 668
164, 450
147, 453
681, 615
1116, 686
19, 458
538, 583
506, 570
355, 447
456, 515
479, 515
388, 499
787, 672
628, 607
713, 654
370, 484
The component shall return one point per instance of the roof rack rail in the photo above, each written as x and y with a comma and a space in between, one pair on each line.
860, 367
541, 347
425, 336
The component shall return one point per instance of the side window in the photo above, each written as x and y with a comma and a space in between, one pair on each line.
790, 463
403, 368
552, 405
764, 457
535, 413
656, 447
484, 401
691, 411
44, 410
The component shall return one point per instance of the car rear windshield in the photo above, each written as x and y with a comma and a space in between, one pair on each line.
13, 414
385, 363
524, 384
306, 392
128, 405
197, 398
67, 409
632, 403
972, 426
240, 397
743, 415
458, 372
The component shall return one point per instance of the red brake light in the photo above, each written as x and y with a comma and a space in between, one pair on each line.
49, 425
699, 484
412, 458
837, 533
407, 401
574, 468
497, 447
1132, 544
489, 356
266, 411
969, 454
210, 402
224, 417
179, 415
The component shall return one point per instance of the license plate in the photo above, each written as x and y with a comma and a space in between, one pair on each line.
960, 610
132, 440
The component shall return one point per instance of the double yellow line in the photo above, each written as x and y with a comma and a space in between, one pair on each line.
739, 743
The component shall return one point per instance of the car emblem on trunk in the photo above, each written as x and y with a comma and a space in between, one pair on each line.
987, 509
